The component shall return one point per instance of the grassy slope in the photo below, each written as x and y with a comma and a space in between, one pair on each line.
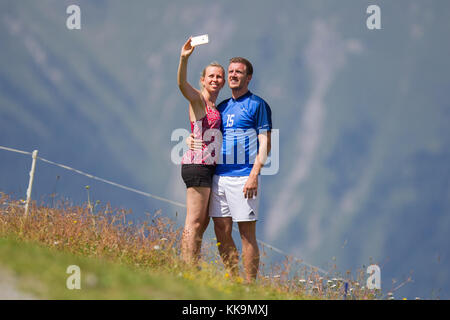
116, 261
42, 271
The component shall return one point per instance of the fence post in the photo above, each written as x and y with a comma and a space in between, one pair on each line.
30, 183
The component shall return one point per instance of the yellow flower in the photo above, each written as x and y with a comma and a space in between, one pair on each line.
188, 276
227, 275
239, 280
74, 221
218, 244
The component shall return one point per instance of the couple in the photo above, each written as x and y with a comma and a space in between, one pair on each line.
224, 190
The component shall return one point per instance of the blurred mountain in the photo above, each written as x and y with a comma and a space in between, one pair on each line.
363, 117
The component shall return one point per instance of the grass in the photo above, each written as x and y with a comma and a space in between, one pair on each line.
42, 271
121, 261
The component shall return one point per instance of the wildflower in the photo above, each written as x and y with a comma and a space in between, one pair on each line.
218, 244
188, 276
227, 275
156, 247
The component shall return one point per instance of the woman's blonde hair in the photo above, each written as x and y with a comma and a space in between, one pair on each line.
212, 64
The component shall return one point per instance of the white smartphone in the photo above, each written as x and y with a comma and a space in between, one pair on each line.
196, 41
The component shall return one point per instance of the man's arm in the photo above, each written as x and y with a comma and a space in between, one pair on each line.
194, 144
251, 186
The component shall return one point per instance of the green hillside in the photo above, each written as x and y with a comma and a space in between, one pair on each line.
42, 272
118, 260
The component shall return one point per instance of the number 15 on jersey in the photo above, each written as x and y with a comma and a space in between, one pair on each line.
230, 120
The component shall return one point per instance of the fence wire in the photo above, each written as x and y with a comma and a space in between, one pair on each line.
149, 195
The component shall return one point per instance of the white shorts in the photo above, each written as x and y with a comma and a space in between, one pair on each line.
227, 199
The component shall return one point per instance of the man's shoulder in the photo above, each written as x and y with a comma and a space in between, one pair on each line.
257, 102
223, 103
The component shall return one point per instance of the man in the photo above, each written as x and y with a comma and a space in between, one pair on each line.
246, 125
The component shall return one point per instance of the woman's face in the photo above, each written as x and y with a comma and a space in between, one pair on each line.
214, 79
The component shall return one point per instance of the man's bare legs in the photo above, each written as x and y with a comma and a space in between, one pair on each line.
197, 220
250, 250
228, 251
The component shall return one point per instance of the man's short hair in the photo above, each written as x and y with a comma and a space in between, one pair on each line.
244, 61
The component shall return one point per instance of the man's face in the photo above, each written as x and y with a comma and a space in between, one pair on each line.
237, 76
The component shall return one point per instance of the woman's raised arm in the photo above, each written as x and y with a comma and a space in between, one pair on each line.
189, 92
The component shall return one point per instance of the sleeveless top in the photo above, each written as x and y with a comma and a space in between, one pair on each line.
208, 129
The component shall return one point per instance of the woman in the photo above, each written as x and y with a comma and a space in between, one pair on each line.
198, 166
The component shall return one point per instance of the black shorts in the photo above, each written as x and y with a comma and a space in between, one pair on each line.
197, 175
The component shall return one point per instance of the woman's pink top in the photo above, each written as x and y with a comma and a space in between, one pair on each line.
207, 129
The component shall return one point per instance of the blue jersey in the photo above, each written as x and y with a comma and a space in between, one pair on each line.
242, 120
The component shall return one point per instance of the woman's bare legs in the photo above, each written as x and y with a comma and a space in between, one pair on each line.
197, 220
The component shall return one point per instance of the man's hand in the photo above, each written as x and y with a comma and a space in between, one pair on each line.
251, 187
194, 144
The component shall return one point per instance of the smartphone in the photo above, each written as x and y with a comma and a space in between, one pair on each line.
196, 41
